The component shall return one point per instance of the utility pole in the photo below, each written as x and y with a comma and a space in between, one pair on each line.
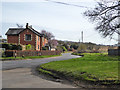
82, 36
79, 42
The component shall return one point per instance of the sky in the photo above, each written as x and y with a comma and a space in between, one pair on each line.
64, 21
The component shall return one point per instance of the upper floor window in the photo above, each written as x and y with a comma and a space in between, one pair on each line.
38, 38
28, 37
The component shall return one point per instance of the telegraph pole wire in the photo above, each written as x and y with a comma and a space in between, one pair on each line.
67, 4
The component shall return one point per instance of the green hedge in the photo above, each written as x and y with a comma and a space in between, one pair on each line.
8, 46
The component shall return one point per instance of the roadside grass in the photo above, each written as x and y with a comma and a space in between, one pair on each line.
28, 57
93, 67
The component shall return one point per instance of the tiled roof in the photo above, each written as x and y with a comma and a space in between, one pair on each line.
14, 31
36, 32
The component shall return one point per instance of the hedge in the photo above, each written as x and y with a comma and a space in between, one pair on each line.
8, 46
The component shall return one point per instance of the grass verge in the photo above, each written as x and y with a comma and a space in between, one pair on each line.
93, 67
28, 57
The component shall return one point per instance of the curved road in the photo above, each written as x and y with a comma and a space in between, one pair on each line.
6, 65
18, 74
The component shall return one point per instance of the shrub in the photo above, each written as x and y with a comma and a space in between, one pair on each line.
64, 49
44, 48
19, 47
28, 47
8, 46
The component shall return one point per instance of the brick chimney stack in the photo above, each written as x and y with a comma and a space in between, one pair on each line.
27, 25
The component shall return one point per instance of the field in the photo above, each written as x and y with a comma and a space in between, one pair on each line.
93, 67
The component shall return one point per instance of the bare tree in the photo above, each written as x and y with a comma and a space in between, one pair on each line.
106, 15
49, 36
54, 43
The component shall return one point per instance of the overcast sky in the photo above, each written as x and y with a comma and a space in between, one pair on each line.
64, 21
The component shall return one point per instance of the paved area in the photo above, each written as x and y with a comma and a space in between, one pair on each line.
18, 74
23, 78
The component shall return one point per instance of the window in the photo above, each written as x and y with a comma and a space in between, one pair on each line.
43, 39
28, 37
38, 46
38, 38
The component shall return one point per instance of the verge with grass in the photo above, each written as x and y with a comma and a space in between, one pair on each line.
27, 57
93, 67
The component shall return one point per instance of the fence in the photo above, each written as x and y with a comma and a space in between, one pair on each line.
18, 53
115, 52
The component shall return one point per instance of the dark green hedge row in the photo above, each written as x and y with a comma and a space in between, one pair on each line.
8, 46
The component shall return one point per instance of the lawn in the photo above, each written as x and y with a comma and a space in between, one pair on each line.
93, 67
29, 57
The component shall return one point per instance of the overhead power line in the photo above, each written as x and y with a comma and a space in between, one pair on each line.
67, 4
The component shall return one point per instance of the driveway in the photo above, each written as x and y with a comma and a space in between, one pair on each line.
19, 73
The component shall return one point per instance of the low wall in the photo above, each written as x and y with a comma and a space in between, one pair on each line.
115, 52
13, 53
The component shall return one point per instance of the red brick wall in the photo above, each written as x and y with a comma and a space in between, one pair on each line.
22, 38
19, 53
13, 39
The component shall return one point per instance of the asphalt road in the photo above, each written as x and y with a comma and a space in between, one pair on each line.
19, 73
6, 65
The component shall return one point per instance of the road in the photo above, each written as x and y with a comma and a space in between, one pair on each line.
19, 73
6, 65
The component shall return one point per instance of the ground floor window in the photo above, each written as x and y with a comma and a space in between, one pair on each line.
38, 46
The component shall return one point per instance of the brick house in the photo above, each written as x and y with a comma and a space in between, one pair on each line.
25, 36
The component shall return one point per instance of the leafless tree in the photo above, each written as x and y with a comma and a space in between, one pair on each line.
106, 14
49, 36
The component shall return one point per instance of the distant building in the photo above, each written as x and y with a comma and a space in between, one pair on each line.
25, 36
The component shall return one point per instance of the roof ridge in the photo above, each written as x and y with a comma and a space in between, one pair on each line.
16, 31
35, 31
16, 28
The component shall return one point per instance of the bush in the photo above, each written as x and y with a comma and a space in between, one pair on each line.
8, 46
71, 49
19, 47
28, 47
74, 46
44, 48
59, 48
64, 49
3, 54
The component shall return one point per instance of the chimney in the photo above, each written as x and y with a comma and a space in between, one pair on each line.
26, 25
